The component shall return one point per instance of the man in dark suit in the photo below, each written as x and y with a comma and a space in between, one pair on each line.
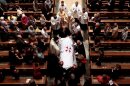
95, 4
121, 4
111, 5
97, 29
129, 6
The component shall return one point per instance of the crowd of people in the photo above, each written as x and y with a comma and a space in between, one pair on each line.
110, 5
30, 37
66, 25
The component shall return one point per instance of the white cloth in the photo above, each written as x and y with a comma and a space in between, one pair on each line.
67, 52
76, 10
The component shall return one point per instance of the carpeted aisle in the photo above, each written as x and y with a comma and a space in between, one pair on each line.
69, 4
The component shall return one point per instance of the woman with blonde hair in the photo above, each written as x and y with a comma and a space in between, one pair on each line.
107, 29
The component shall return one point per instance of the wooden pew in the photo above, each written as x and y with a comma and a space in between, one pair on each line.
106, 67
23, 4
111, 53
111, 43
122, 81
102, 31
25, 31
38, 23
26, 12
6, 53
108, 14
13, 42
115, 21
22, 66
121, 22
24, 69
22, 81
104, 4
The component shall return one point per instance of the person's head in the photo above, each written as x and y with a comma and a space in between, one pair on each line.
12, 48
31, 27
76, 3
48, 0
107, 24
115, 24
42, 15
97, 25
95, 15
55, 16
78, 42
62, 3
2, 18
23, 15
16, 51
19, 36
17, 7
66, 32
11, 17
98, 14
83, 10
104, 77
69, 14
72, 76
126, 28
31, 17
31, 83
118, 67
61, 10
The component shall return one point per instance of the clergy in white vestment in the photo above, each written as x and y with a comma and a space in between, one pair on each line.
63, 6
76, 9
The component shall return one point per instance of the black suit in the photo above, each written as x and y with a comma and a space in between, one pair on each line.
129, 6
97, 31
121, 4
112, 5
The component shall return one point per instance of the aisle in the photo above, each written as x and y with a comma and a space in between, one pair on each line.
69, 4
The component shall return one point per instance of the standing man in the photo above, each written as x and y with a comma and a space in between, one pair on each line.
55, 24
83, 22
83, 18
76, 9
63, 6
